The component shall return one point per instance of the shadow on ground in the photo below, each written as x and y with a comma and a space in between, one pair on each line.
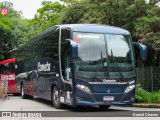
77, 108
79, 111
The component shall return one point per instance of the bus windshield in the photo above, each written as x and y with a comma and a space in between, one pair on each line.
104, 55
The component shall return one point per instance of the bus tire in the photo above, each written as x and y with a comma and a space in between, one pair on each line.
104, 107
56, 98
16, 94
24, 96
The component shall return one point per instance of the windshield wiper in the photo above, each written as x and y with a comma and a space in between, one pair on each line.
90, 78
117, 66
94, 78
98, 68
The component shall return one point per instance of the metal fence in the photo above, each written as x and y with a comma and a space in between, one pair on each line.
3, 86
149, 78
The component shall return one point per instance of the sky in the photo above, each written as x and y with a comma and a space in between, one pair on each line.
28, 7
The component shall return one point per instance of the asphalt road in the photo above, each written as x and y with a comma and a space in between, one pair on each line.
45, 108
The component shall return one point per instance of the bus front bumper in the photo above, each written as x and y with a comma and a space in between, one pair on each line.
83, 98
83, 103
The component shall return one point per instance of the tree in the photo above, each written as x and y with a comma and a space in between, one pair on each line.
48, 15
12, 30
147, 31
140, 18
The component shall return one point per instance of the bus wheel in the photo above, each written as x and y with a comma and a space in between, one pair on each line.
24, 96
104, 107
56, 98
16, 94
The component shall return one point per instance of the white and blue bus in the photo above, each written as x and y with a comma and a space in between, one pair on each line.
79, 65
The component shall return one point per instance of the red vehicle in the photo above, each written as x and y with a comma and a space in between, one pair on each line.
7, 76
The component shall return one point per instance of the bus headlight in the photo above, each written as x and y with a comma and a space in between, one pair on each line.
83, 88
129, 88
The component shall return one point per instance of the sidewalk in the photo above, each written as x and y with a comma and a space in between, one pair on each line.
146, 105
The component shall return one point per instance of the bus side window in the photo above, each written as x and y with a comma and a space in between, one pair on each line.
29, 76
47, 46
65, 55
68, 73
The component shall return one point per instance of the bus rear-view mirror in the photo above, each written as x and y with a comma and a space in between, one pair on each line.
74, 48
143, 50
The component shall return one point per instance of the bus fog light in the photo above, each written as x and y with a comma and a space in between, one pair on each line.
78, 99
129, 88
83, 88
132, 99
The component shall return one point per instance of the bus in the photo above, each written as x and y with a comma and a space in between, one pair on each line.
79, 65
7, 77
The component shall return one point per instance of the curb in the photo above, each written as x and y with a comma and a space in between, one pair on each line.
146, 105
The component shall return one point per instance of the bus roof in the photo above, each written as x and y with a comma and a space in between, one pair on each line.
96, 28
90, 28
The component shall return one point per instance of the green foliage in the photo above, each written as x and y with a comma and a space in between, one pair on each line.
5, 43
156, 97
140, 18
12, 30
121, 13
45, 17
5, 22
143, 96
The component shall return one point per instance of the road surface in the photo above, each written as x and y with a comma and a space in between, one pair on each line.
44, 107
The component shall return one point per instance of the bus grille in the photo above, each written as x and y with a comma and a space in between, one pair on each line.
109, 88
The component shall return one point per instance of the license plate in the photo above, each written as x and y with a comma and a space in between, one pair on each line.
108, 98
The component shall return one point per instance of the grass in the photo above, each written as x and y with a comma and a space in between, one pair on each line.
143, 96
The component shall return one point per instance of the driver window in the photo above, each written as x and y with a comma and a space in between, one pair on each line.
66, 56
67, 74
